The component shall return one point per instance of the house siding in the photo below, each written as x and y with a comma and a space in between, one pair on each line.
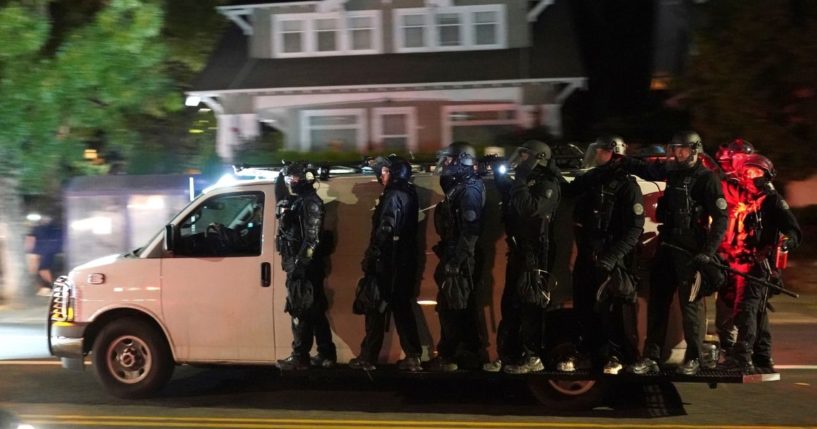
529, 81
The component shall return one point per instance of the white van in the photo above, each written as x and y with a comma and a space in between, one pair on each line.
173, 302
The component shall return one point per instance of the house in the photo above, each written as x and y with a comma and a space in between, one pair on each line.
380, 75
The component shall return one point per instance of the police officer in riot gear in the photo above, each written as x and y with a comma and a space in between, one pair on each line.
529, 203
392, 258
693, 213
766, 227
609, 219
457, 219
730, 157
300, 221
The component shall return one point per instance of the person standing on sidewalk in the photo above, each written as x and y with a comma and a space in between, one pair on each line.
43, 244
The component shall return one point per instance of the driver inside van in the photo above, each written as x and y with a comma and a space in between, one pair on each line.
249, 232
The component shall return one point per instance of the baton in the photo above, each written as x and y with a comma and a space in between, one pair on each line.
762, 281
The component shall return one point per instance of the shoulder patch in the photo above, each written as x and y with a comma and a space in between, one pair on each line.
549, 193
638, 209
783, 204
470, 215
720, 203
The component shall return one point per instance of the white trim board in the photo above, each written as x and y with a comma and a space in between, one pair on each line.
581, 81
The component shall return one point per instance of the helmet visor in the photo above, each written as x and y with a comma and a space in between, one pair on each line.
443, 159
518, 156
589, 160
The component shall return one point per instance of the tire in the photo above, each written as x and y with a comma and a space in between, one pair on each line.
568, 395
132, 358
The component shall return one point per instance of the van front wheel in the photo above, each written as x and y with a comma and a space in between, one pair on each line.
131, 358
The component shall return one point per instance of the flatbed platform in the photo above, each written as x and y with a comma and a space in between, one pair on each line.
710, 376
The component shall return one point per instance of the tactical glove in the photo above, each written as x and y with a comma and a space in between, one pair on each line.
524, 168
371, 262
452, 268
531, 263
605, 265
701, 260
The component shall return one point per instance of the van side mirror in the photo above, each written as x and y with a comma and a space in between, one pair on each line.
170, 237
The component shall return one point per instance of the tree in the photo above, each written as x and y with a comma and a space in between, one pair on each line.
62, 86
755, 76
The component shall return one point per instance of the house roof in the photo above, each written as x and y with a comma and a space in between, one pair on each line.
554, 55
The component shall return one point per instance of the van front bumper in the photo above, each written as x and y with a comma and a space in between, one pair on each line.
65, 340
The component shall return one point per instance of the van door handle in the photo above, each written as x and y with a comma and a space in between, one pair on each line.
266, 274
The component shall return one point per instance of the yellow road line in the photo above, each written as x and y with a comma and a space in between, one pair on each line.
261, 423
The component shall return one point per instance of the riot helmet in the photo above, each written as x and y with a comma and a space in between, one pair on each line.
760, 161
611, 143
686, 139
755, 173
533, 152
400, 170
377, 165
730, 155
689, 139
300, 177
457, 153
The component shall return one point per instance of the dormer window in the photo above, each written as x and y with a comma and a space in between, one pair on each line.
292, 35
326, 33
322, 34
362, 32
450, 28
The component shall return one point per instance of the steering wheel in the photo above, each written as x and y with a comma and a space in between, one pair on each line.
216, 229
218, 238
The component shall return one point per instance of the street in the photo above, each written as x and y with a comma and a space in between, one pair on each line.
47, 396
37, 389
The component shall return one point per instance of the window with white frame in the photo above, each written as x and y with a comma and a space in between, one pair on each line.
334, 129
291, 36
362, 31
394, 128
450, 28
326, 34
412, 31
479, 123
486, 26
321, 34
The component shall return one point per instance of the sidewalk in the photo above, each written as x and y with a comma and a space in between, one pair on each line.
35, 313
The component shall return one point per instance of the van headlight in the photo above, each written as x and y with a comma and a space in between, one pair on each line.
62, 300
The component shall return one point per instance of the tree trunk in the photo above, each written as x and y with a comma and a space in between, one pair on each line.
16, 285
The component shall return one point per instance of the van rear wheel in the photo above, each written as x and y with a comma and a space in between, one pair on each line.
568, 395
131, 358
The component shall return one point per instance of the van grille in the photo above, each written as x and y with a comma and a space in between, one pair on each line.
61, 306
